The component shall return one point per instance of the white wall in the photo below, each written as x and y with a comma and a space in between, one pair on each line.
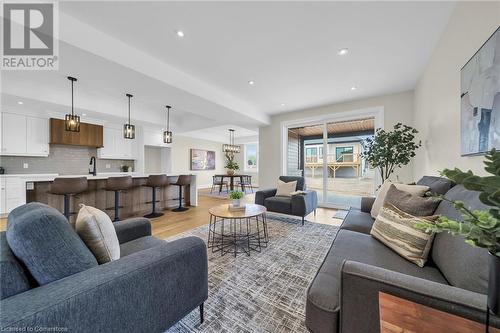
397, 108
437, 94
181, 146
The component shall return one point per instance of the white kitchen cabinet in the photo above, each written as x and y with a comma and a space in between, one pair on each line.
12, 195
24, 135
13, 134
37, 139
3, 196
116, 146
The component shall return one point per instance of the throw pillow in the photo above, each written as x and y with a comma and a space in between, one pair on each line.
396, 230
409, 203
285, 189
97, 231
418, 190
44, 241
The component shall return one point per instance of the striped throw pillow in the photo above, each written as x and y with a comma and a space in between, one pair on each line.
396, 230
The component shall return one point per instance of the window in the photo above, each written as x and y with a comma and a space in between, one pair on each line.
251, 157
344, 154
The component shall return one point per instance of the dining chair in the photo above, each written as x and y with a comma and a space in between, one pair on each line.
219, 181
246, 182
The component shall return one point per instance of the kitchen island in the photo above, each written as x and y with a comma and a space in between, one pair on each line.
135, 201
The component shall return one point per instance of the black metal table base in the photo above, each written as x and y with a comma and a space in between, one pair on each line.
237, 235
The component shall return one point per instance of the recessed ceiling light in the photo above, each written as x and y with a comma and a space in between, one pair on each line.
20, 103
84, 114
251, 82
179, 33
343, 51
353, 88
283, 104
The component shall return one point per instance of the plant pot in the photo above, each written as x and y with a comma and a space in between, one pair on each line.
230, 172
236, 202
494, 285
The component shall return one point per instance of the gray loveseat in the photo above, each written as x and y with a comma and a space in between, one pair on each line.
297, 205
343, 297
152, 286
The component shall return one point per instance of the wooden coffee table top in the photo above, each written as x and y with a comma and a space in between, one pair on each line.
251, 210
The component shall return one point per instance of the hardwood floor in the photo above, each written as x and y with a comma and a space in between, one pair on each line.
173, 223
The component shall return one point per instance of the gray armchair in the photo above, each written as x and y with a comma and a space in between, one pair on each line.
152, 286
297, 205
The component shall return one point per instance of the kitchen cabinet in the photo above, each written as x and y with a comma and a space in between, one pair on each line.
116, 146
24, 135
12, 193
37, 140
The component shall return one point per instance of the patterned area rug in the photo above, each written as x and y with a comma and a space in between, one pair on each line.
264, 292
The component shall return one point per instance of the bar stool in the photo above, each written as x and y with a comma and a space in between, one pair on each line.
182, 181
68, 187
118, 184
155, 181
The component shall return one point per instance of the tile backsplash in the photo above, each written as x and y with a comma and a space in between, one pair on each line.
64, 160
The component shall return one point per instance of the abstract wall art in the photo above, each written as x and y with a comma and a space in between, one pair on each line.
480, 99
202, 159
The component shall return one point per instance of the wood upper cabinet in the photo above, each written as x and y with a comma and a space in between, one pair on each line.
90, 135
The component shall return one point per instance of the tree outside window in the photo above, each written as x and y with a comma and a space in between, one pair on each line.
251, 157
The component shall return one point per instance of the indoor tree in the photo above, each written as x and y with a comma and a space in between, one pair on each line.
388, 150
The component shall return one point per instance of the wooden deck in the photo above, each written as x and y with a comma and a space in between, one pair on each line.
334, 166
347, 186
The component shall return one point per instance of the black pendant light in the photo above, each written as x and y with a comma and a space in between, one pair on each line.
167, 135
231, 147
72, 121
128, 128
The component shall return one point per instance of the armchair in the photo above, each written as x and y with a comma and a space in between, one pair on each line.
152, 286
297, 205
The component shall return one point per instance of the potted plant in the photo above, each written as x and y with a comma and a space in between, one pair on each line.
388, 150
480, 227
236, 197
231, 165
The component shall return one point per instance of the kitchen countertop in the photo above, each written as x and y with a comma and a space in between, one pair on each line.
99, 176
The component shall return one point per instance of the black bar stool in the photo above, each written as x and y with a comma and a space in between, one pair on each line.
155, 182
182, 181
118, 184
68, 187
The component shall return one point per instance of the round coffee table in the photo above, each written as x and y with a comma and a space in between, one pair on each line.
237, 231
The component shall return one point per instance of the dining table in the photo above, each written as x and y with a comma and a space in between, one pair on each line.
231, 180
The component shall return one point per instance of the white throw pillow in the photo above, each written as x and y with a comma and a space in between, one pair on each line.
285, 189
418, 190
97, 231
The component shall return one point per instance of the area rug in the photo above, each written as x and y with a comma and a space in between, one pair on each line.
341, 214
264, 292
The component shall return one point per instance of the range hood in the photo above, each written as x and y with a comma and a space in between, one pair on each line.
90, 135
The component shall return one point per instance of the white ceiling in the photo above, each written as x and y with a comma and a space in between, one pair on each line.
288, 48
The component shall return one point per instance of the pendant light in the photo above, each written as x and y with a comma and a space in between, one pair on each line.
129, 129
72, 121
167, 135
231, 147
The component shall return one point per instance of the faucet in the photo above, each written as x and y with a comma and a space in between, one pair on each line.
92, 166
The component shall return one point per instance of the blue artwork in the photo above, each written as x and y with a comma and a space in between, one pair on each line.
480, 99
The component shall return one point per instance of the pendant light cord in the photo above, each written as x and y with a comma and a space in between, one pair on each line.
129, 109
72, 103
168, 118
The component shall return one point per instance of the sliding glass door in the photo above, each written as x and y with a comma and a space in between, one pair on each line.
329, 156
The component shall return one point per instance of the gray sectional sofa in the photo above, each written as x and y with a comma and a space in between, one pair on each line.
152, 286
343, 297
